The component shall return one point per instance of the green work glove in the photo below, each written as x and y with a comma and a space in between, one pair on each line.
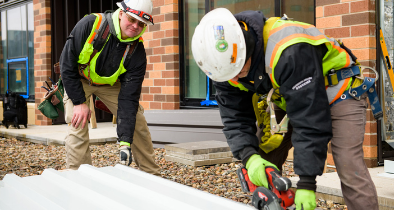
305, 199
256, 170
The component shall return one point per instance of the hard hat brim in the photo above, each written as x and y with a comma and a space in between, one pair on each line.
134, 15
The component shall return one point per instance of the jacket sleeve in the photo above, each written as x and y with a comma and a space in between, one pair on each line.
238, 118
69, 59
300, 76
129, 95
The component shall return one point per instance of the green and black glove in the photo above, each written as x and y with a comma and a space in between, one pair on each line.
125, 153
305, 199
256, 170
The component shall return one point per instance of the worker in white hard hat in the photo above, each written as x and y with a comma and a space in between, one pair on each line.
312, 78
104, 55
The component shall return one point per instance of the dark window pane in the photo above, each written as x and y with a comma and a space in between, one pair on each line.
17, 77
299, 10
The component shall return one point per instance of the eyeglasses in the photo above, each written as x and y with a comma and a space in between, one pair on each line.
133, 20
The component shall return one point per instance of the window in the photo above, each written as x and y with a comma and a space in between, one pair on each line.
17, 50
196, 87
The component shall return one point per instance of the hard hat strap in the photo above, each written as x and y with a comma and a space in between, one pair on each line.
142, 14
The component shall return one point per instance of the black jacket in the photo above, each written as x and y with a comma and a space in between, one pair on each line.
307, 107
108, 61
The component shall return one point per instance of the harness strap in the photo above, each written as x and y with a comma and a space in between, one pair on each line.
368, 86
333, 77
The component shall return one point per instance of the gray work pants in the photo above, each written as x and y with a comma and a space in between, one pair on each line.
348, 127
77, 139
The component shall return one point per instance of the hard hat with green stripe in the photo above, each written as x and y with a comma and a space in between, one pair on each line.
218, 45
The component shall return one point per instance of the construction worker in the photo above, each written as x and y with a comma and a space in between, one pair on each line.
104, 55
247, 54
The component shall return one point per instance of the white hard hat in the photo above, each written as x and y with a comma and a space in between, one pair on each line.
218, 45
139, 9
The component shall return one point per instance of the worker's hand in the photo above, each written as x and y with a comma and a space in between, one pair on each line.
81, 113
256, 170
305, 199
125, 153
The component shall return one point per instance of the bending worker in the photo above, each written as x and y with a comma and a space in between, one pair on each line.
104, 55
247, 54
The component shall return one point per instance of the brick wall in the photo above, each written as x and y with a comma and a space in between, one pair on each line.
160, 89
42, 53
353, 22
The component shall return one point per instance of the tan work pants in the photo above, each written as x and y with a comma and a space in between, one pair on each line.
348, 127
77, 140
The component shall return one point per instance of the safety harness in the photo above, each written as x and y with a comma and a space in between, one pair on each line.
97, 38
345, 83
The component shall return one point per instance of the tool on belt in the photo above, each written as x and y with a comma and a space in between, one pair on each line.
277, 197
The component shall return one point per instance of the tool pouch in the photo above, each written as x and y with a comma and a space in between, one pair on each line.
53, 100
48, 109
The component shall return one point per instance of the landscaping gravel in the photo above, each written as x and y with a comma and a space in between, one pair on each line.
27, 159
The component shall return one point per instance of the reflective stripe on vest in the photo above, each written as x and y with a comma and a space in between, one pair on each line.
87, 50
285, 33
238, 85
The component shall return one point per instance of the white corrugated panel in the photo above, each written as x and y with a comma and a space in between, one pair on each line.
118, 187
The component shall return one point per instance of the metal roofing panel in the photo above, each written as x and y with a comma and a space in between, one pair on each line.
118, 187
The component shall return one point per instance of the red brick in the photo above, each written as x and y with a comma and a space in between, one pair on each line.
158, 18
170, 58
370, 151
326, 2
155, 89
154, 59
147, 97
360, 6
145, 90
158, 3
319, 12
160, 97
172, 98
371, 127
328, 22
172, 66
158, 34
154, 43
170, 106
149, 67
172, 33
338, 32
159, 82
365, 54
336, 9
172, 82
363, 30
359, 18
159, 50
370, 140
170, 74
155, 105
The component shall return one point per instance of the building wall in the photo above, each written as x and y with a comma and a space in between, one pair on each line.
353, 22
160, 89
42, 54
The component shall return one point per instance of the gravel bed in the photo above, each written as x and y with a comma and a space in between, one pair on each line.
28, 159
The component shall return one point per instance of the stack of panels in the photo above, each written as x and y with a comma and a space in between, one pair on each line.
118, 187
199, 153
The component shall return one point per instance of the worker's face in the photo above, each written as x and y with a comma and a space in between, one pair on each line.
129, 26
245, 70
